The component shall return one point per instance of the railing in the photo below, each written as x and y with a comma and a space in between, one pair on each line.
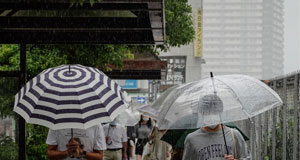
275, 134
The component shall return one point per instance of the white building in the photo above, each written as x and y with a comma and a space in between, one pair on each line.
244, 37
183, 65
239, 37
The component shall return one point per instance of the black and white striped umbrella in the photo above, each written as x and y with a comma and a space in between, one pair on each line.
70, 96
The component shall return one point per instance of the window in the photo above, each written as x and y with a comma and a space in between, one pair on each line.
176, 70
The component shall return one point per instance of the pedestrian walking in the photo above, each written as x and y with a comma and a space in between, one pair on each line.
158, 149
85, 144
130, 142
142, 133
116, 141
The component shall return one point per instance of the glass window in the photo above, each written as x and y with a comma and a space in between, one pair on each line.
176, 70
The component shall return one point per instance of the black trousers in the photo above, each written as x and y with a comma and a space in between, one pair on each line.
139, 146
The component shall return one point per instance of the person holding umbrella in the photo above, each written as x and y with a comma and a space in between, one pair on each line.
72, 101
242, 97
116, 141
76, 143
214, 142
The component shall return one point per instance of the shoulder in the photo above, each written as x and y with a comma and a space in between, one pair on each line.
237, 133
120, 127
52, 132
233, 130
96, 127
105, 126
194, 134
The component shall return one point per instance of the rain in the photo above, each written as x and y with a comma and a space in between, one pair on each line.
158, 80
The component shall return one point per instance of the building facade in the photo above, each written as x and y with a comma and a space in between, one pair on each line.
184, 65
243, 37
238, 37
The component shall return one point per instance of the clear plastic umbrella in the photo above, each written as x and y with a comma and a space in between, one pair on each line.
147, 110
212, 101
128, 117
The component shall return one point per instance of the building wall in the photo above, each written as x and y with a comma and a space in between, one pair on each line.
193, 64
243, 37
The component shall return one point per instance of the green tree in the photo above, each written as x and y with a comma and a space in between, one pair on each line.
35, 142
179, 24
8, 148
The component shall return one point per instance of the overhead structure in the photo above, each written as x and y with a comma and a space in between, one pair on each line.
59, 22
138, 69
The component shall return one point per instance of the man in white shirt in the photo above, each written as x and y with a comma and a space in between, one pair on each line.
86, 144
116, 140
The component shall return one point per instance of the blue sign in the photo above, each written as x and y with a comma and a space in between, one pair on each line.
129, 84
141, 99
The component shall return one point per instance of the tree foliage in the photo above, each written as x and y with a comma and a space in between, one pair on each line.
35, 142
179, 24
8, 148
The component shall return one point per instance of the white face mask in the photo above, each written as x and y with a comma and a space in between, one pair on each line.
210, 121
145, 118
113, 123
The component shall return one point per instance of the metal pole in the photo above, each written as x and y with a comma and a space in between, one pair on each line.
21, 121
284, 130
259, 148
253, 137
295, 133
266, 127
274, 128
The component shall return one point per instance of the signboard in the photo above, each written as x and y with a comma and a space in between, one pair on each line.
128, 84
141, 100
198, 30
175, 71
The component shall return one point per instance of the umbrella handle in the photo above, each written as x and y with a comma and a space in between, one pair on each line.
71, 132
225, 139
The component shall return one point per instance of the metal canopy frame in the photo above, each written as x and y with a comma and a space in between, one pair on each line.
138, 69
146, 27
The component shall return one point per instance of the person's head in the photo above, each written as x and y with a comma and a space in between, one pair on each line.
210, 107
113, 123
211, 104
145, 119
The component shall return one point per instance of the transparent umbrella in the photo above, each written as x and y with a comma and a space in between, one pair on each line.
128, 117
212, 101
147, 110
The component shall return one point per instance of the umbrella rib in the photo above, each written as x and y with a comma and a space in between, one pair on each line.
249, 116
266, 87
181, 90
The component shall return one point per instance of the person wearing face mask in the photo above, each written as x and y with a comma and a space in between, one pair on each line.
142, 131
116, 141
207, 143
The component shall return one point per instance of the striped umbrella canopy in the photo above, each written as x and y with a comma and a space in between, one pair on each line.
70, 96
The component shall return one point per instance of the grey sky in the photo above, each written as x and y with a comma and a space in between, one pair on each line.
291, 36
